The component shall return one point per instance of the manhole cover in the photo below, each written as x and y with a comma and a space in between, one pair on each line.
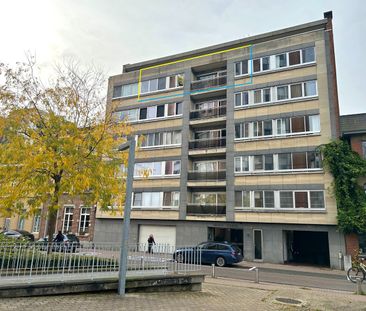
289, 301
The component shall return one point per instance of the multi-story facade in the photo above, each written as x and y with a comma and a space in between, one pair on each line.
229, 138
73, 217
353, 128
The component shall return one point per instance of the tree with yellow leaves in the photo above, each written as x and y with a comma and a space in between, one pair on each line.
57, 139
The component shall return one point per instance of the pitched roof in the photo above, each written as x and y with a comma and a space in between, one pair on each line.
353, 123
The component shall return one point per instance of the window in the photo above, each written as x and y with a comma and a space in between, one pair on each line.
301, 199
268, 162
282, 92
176, 167
299, 160
281, 60
171, 109
294, 58
283, 126
258, 199
137, 199
257, 96
241, 99
316, 199
68, 218
36, 222
363, 144
241, 68
313, 123
308, 55
161, 139
265, 63
151, 112
178, 108
258, 162
117, 91
269, 199
313, 160
286, 199
297, 125
310, 88
256, 65
266, 95
84, 220
257, 128
145, 86
284, 161
267, 127
160, 111
143, 114
296, 90
162, 83
20, 224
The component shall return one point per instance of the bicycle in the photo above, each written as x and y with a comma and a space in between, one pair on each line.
357, 271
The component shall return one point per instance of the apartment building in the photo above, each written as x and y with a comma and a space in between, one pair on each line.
229, 138
353, 128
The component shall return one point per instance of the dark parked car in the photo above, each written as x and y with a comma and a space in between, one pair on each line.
218, 253
18, 234
70, 243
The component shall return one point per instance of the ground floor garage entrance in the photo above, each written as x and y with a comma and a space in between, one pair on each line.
307, 247
163, 235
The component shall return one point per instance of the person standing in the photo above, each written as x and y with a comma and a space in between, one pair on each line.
150, 242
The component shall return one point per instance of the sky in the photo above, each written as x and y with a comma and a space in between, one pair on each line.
110, 33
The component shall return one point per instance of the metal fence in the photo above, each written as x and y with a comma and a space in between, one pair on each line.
59, 261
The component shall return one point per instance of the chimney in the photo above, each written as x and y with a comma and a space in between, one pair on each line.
328, 15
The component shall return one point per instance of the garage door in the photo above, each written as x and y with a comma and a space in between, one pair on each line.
164, 235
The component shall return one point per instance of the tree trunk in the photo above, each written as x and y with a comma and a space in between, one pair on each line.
51, 222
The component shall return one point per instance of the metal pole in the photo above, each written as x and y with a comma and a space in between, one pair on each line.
126, 220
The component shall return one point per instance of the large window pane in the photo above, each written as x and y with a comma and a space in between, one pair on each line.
296, 90
294, 58
145, 86
151, 112
178, 108
238, 199
258, 162
284, 161
167, 200
266, 95
238, 69
258, 199
265, 63
299, 160
308, 55
269, 199
160, 111
171, 109
117, 91
143, 114
137, 199
237, 163
301, 199
238, 99
297, 125
314, 160
153, 85
162, 83
244, 67
246, 198
281, 61
245, 163
282, 92
310, 88
176, 167
316, 199
286, 199
314, 123
257, 96
245, 98
268, 162
267, 127
256, 65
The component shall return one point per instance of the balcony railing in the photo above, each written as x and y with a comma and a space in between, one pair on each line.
209, 83
217, 175
209, 113
206, 209
207, 143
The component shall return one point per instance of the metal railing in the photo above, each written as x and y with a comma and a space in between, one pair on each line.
216, 175
208, 113
208, 83
206, 209
207, 143
59, 261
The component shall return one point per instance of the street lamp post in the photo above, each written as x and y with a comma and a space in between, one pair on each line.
130, 144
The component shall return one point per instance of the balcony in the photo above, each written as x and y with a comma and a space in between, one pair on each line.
216, 175
206, 209
208, 83
208, 143
208, 113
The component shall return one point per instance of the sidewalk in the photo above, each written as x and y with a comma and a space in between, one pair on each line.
217, 294
291, 267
